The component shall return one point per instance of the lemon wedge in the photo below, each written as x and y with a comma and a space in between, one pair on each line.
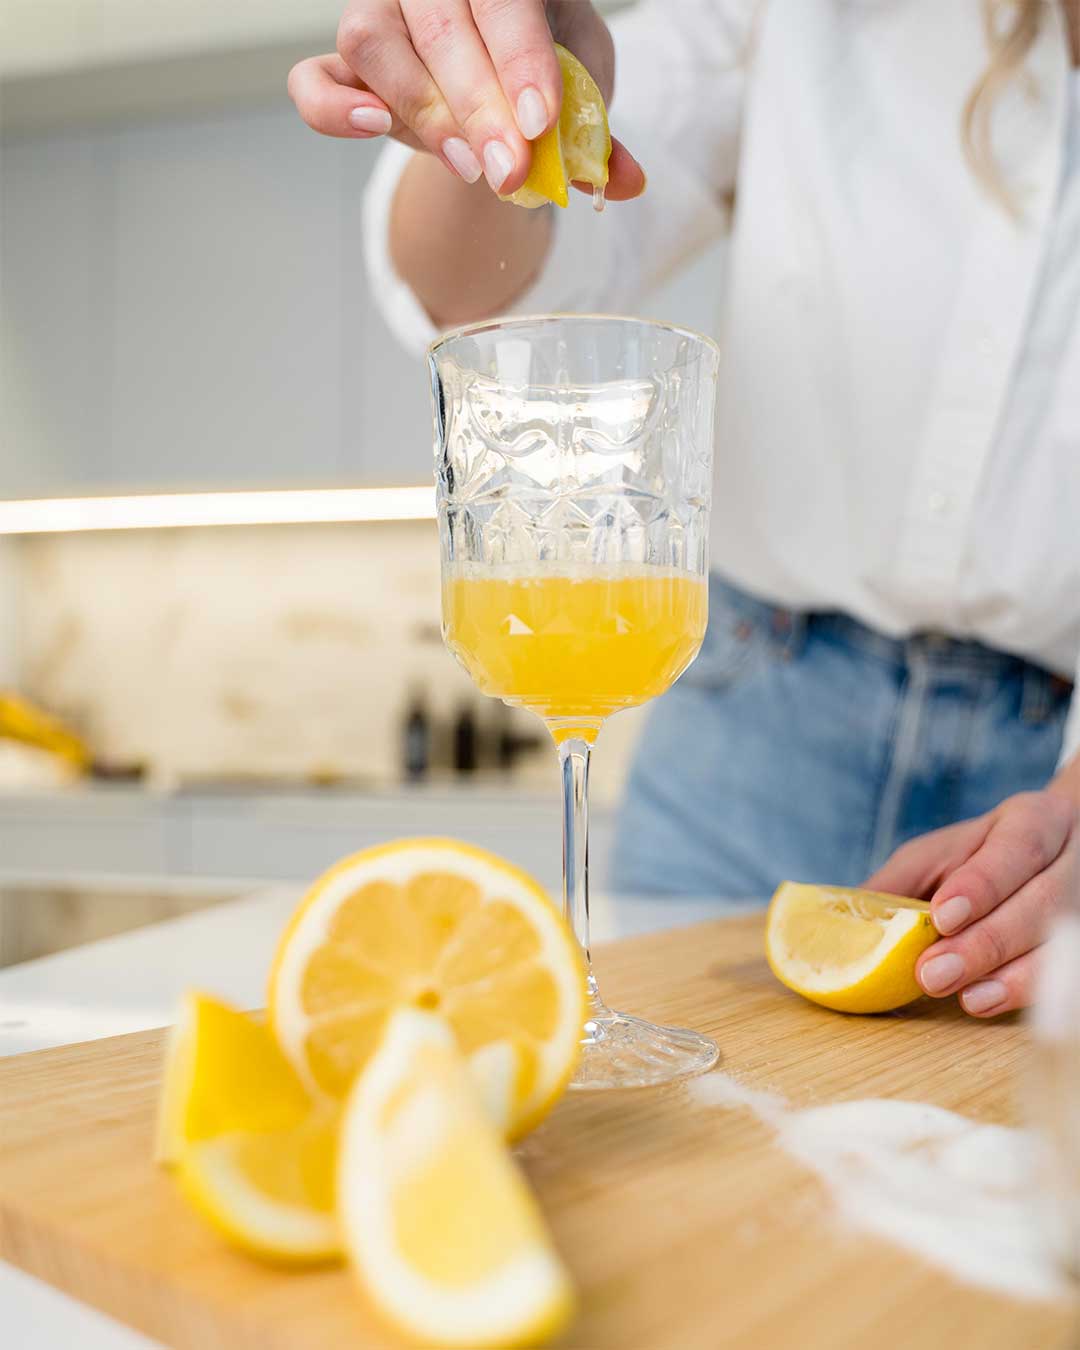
438, 1223
576, 149
223, 1072
252, 1152
847, 949
442, 927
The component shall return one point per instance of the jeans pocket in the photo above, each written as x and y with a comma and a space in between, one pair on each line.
734, 643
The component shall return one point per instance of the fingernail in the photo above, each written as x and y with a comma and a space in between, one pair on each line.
943, 971
377, 120
952, 914
462, 158
498, 164
982, 997
531, 113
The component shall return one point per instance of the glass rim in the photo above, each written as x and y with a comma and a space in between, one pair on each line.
524, 320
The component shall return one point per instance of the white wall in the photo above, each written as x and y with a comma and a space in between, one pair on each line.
9, 611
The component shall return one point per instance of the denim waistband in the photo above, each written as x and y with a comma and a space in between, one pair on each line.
789, 628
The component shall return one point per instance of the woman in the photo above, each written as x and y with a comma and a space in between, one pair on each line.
895, 625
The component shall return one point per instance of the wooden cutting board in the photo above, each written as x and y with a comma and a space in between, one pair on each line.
685, 1226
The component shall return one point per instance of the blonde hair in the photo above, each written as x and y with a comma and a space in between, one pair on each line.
1011, 29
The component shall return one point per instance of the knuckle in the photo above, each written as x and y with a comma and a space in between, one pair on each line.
433, 31
992, 950
494, 10
358, 38
1029, 841
518, 66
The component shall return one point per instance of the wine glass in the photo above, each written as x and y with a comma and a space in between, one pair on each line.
574, 471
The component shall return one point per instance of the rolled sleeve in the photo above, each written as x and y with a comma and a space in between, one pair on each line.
405, 316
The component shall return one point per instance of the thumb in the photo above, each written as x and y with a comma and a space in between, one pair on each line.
918, 867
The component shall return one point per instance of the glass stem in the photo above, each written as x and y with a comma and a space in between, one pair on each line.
574, 761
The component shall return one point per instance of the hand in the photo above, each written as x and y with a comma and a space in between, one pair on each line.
471, 81
994, 883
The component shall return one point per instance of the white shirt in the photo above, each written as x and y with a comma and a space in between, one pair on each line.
900, 382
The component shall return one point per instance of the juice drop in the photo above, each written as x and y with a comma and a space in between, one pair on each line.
598, 199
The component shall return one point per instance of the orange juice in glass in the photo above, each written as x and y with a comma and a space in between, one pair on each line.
574, 646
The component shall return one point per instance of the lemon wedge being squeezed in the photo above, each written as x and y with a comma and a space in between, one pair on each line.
847, 949
577, 147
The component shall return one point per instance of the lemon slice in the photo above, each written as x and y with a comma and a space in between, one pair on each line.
438, 1223
439, 926
252, 1152
847, 949
577, 147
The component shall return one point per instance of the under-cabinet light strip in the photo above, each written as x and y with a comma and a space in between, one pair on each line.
61, 515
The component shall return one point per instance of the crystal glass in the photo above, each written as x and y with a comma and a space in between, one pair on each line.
574, 469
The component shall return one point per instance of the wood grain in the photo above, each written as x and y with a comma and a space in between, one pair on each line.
684, 1225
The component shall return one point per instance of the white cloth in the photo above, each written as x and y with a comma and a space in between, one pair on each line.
900, 384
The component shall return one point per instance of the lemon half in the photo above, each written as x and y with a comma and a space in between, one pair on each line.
847, 949
438, 926
576, 149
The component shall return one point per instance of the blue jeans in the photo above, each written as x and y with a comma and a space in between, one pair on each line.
808, 746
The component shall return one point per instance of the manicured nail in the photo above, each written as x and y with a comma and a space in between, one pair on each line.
982, 997
462, 158
376, 120
952, 914
937, 975
531, 113
498, 164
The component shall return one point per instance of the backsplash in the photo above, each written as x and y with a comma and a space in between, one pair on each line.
284, 652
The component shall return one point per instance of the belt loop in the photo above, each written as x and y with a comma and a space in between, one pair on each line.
1036, 698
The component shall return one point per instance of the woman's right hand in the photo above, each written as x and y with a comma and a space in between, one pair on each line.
470, 81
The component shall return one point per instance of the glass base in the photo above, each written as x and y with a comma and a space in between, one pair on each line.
618, 1051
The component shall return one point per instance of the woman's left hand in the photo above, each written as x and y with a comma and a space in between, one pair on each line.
995, 883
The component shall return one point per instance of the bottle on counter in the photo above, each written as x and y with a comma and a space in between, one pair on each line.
465, 740
416, 738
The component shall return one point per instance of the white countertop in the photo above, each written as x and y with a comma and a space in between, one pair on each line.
132, 982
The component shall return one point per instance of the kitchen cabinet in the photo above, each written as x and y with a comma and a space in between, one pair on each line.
133, 834
186, 308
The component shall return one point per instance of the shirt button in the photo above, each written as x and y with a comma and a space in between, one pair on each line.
938, 503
